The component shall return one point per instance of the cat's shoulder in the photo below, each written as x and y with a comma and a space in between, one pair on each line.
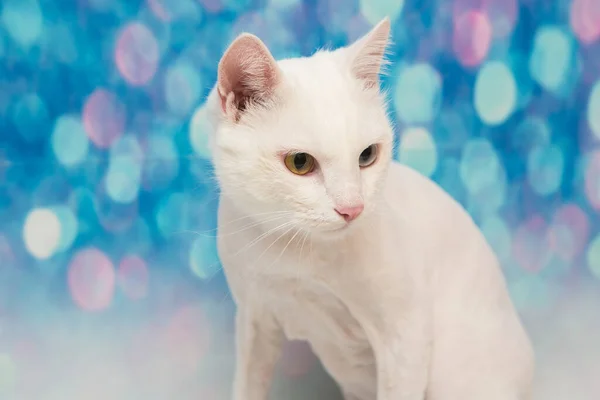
408, 183
416, 196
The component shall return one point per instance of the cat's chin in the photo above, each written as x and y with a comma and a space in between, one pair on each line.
336, 232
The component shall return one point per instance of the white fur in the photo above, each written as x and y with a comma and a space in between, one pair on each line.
408, 301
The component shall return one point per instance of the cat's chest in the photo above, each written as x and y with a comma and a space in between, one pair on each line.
307, 310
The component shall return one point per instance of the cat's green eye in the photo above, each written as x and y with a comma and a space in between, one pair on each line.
300, 163
368, 156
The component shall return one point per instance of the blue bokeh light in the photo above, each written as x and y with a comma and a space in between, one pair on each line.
199, 133
375, 10
204, 261
69, 140
161, 164
282, 4
495, 93
530, 133
498, 234
172, 214
69, 227
182, 87
593, 109
23, 21
30, 116
108, 197
479, 165
490, 197
68, 52
123, 178
417, 150
593, 257
545, 166
418, 93
551, 60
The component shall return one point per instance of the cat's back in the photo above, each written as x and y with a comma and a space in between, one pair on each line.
422, 205
476, 324
463, 263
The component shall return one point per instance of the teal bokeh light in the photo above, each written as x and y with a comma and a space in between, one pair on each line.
69, 227
418, 93
375, 10
23, 21
161, 163
204, 261
479, 165
498, 234
593, 257
593, 109
108, 196
123, 178
545, 166
417, 150
30, 117
199, 133
182, 87
551, 60
69, 140
172, 214
495, 93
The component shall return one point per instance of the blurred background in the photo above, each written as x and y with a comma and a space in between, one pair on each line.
110, 286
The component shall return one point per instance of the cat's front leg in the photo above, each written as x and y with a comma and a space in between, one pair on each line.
397, 321
258, 346
402, 348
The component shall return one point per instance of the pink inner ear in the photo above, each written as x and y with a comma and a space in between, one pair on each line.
223, 103
246, 71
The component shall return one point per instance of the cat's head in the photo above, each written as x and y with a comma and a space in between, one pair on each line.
303, 141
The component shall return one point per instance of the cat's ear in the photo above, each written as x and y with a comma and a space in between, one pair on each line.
367, 54
247, 74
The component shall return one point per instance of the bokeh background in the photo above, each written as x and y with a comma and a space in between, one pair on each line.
110, 287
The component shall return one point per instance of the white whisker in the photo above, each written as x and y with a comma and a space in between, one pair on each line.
243, 228
286, 246
262, 236
271, 245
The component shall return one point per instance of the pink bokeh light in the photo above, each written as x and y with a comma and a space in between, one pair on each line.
471, 38
159, 9
569, 232
501, 14
136, 54
187, 339
212, 6
585, 20
530, 244
103, 118
592, 183
132, 276
91, 279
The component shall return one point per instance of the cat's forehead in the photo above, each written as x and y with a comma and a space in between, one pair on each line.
324, 107
320, 77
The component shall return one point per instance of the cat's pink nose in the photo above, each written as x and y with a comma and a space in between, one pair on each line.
350, 213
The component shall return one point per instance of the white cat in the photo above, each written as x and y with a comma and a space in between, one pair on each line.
323, 238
